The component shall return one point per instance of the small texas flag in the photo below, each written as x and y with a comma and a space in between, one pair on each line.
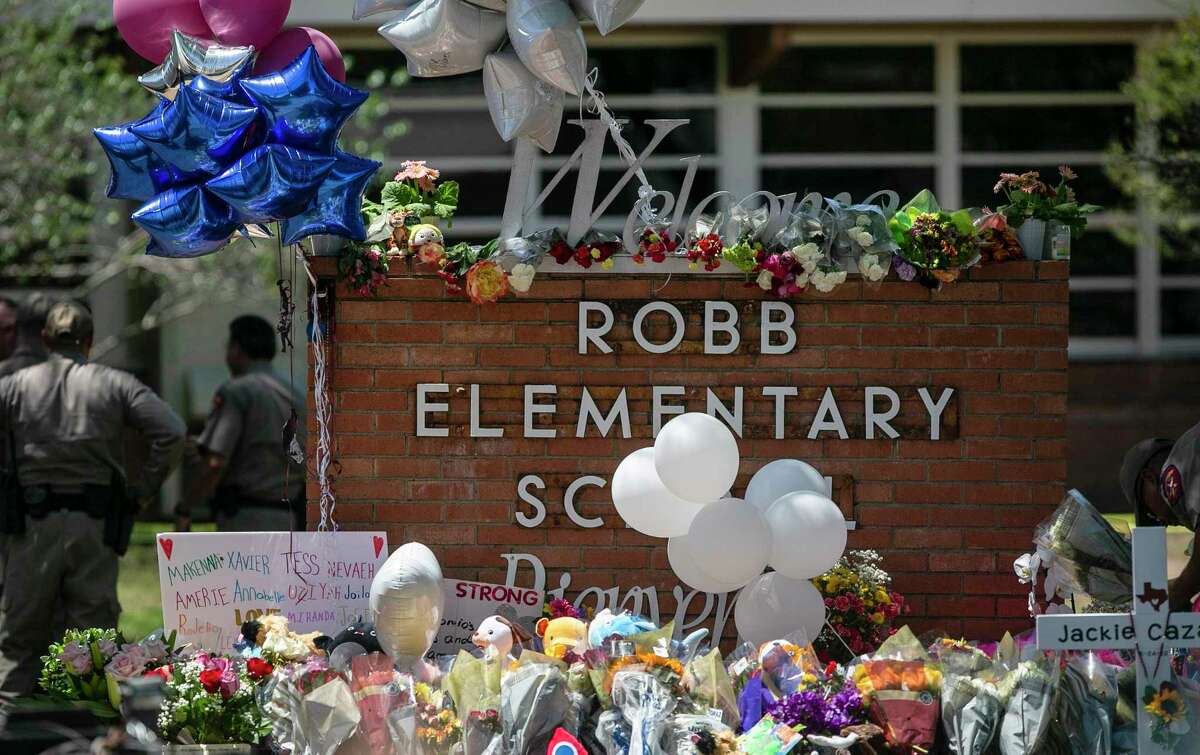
562, 743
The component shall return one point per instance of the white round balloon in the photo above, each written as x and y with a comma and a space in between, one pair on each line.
808, 535
644, 503
781, 477
690, 573
773, 607
729, 541
407, 602
696, 457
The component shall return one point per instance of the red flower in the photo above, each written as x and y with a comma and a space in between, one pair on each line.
258, 669
211, 680
561, 252
162, 672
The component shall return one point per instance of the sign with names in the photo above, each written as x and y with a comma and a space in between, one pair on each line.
469, 603
1152, 631
212, 582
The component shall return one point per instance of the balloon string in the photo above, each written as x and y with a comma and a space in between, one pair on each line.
321, 406
598, 106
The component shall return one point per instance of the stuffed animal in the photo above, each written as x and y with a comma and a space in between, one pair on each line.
606, 623
426, 241
562, 635
496, 635
356, 639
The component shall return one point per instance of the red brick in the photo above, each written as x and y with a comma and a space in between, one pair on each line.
872, 358
1035, 337
512, 357
1034, 292
1054, 270
1034, 382
962, 470
927, 538
929, 493
962, 606
445, 311
969, 336
1033, 471
961, 562
1001, 314
899, 335
441, 356
866, 313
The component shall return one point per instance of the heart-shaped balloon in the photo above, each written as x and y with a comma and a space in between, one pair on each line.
521, 104
445, 37
407, 602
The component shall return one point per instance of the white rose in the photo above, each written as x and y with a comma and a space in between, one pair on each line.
863, 221
864, 239
802, 279
805, 250
826, 282
521, 277
875, 273
765, 280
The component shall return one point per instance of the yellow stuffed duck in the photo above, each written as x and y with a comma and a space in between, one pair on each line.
562, 635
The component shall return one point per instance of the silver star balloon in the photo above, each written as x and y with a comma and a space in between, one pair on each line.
191, 57
521, 104
608, 15
364, 8
445, 37
549, 41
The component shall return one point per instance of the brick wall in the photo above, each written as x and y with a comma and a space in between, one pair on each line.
949, 515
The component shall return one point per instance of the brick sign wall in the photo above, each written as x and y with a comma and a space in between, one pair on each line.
949, 515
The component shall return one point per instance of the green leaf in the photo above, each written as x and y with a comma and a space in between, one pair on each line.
447, 193
420, 209
924, 201
397, 195
444, 211
962, 222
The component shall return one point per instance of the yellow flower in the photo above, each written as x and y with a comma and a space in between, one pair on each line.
486, 282
595, 253
883, 597
607, 264
1167, 704
693, 266
877, 617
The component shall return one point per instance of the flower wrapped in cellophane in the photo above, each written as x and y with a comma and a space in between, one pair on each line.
474, 683
862, 241
1091, 556
533, 703
645, 703
900, 684
1027, 691
935, 246
709, 685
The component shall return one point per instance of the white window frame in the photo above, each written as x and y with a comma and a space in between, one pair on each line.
739, 161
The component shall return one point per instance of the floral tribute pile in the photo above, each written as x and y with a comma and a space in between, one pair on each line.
822, 242
617, 684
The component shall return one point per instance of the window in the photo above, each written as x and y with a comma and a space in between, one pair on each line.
856, 111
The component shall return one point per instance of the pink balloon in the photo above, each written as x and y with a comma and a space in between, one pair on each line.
146, 25
245, 22
291, 42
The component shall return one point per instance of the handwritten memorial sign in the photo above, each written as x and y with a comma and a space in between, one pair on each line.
469, 603
211, 582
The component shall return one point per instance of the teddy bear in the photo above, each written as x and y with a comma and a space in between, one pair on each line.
562, 635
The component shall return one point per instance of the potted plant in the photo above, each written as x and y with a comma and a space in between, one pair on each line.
1032, 204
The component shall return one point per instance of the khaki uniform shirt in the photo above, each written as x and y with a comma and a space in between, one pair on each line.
20, 359
250, 427
67, 417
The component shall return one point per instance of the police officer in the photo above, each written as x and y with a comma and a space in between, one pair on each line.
29, 320
66, 418
1162, 479
251, 449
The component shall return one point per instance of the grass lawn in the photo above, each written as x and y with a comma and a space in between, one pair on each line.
137, 587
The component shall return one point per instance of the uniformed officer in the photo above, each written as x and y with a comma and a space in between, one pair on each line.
251, 450
30, 319
66, 418
1162, 479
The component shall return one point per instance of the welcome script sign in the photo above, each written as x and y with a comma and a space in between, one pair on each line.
881, 406
211, 582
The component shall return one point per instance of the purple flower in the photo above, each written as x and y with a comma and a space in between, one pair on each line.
154, 648
816, 713
108, 648
227, 669
77, 658
129, 662
905, 271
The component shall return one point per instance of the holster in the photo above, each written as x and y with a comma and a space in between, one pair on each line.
122, 513
12, 502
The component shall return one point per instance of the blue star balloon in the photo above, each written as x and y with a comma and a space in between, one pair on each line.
229, 89
337, 208
184, 221
304, 106
271, 182
199, 133
137, 173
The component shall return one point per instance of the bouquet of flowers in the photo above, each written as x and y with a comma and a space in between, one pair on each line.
470, 269
901, 683
212, 699
655, 243
414, 197
859, 604
1027, 196
997, 242
364, 268
933, 244
594, 248
862, 239
87, 664
1089, 555
820, 711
